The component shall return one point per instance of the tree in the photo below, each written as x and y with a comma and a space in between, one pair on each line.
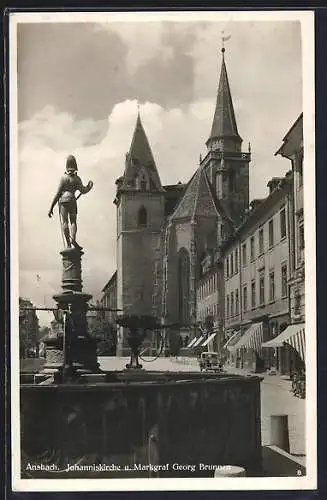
106, 334
44, 332
29, 329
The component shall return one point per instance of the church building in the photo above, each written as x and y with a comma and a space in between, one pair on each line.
164, 233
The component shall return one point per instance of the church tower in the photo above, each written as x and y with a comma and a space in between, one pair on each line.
140, 206
226, 165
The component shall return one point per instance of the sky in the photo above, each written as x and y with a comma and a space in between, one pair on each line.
78, 86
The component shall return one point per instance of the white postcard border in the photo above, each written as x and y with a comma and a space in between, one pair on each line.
280, 483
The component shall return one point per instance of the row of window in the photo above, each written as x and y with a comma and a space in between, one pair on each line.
140, 185
208, 311
233, 301
109, 300
208, 287
232, 261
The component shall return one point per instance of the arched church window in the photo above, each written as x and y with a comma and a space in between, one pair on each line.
142, 217
219, 185
142, 182
222, 232
232, 181
184, 286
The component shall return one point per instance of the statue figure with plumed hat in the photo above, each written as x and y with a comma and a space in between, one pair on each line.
65, 197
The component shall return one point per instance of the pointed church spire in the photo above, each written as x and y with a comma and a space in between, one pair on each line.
224, 121
140, 149
140, 159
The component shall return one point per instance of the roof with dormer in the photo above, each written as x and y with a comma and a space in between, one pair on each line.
140, 158
224, 121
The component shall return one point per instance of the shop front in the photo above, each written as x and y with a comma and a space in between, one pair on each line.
290, 344
230, 350
277, 358
249, 348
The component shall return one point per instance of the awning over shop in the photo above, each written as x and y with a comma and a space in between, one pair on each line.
252, 338
232, 340
198, 341
206, 342
192, 342
293, 335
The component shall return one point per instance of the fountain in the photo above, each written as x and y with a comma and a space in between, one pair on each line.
72, 352
78, 421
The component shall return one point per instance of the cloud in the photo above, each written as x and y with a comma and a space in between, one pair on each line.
151, 40
177, 137
271, 48
44, 143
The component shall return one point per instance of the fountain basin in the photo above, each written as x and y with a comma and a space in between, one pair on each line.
153, 424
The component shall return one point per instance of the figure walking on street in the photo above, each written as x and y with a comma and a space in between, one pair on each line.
65, 197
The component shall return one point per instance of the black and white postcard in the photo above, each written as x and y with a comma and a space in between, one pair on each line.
163, 292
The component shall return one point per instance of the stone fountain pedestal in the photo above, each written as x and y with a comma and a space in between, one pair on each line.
75, 351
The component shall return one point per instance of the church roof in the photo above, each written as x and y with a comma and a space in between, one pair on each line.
221, 206
140, 157
173, 193
199, 199
224, 121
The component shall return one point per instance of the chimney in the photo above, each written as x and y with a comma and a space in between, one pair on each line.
273, 183
289, 175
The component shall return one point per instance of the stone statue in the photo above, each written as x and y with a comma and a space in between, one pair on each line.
65, 197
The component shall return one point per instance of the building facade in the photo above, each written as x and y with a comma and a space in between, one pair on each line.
210, 301
109, 299
256, 273
292, 149
190, 253
215, 199
143, 206
292, 340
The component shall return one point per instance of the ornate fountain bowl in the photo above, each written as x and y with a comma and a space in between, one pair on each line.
137, 326
135, 321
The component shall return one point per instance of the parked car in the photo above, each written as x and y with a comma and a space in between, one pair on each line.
210, 362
